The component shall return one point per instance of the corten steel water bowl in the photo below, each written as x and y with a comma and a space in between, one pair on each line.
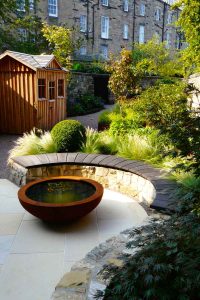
58, 189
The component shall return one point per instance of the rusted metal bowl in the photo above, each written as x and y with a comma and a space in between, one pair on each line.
60, 212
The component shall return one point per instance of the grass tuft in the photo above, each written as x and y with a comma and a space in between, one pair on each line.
32, 144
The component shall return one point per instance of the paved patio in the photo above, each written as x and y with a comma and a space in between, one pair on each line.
34, 255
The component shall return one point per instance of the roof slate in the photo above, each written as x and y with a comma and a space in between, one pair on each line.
34, 61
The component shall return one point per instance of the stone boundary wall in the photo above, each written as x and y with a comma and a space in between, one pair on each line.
83, 83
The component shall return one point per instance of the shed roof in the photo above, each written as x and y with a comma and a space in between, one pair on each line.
32, 61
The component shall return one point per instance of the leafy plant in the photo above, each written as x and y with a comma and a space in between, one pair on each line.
123, 126
62, 41
189, 23
94, 67
104, 120
188, 192
162, 108
68, 135
35, 142
166, 252
124, 78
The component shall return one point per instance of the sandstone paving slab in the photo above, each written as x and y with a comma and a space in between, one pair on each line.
34, 236
30, 276
78, 245
33, 240
6, 242
10, 205
67, 265
7, 188
9, 223
84, 225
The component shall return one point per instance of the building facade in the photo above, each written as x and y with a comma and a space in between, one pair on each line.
106, 26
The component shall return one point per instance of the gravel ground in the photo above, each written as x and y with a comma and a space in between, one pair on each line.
7, 141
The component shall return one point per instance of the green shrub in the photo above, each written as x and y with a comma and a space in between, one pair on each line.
163, 106
35, 142
68, 135
122, 126
104, 120
188, 192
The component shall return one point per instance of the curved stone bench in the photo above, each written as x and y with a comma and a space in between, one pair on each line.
134, 178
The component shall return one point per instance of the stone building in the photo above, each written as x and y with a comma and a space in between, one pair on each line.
106, 26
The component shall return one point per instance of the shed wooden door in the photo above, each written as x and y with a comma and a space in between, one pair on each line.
17, 96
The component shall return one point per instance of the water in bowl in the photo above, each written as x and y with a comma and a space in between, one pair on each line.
60, 191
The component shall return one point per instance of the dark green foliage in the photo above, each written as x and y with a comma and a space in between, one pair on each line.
166, 266
166, 107
86, 104
104, 120
31, 39
68, 135
189, 193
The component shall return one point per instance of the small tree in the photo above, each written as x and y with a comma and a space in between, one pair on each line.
189, 21
33, 42
62, 41
124, 77
148, 59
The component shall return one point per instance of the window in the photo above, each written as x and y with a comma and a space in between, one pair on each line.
83, 50
158, 14
141, 34
22, 34
104, 51
53, 8
169, 17
21, 5
83, 23
51, 90
105, 27
125, 32
125, 5
31, 4
41, 88
104, 2
168, 39
60, 87
157, 37
142, 9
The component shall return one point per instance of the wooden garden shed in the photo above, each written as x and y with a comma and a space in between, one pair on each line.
32, 92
